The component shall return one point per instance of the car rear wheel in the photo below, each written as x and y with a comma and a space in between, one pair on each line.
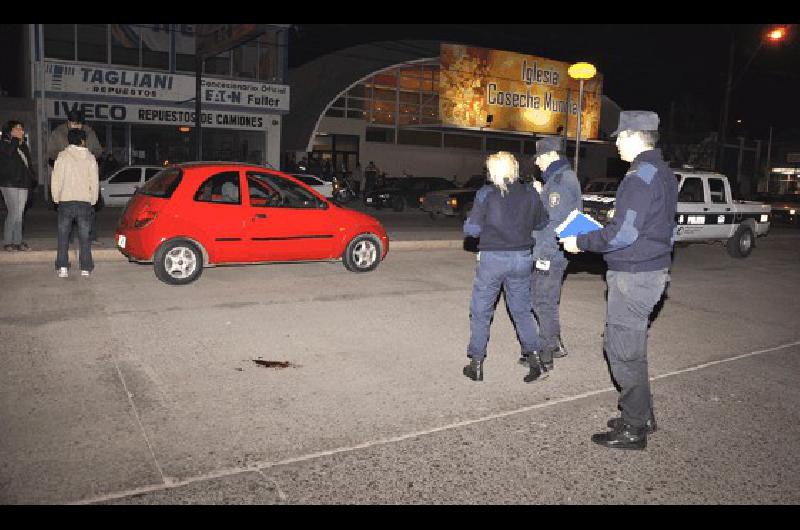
741, 244
178, 262
362, 254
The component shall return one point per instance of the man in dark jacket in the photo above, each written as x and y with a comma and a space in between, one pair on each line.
561, 193
504, 216
637, 245
16, 179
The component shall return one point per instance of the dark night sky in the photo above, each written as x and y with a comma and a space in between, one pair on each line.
644, 66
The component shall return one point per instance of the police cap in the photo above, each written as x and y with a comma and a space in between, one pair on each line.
637, 120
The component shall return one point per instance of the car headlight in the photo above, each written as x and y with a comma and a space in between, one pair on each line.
611, 213
383, 196
453, 202
765, 217
791, 212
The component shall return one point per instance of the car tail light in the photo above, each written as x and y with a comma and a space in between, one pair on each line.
144, 218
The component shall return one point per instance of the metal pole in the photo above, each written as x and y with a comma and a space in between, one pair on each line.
41, 118
198, 134
769, 156
565, 136
578, 132
724, 125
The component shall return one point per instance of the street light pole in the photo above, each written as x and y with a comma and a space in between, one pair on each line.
580, 71
724, 123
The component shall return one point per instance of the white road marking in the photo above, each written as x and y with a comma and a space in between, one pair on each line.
258, 467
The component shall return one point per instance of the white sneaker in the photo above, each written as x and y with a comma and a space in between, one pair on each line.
85, 273
63, 272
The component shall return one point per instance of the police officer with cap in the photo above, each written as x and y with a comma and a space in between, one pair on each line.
637, 246
561, 194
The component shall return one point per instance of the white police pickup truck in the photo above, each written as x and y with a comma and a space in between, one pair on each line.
706, 212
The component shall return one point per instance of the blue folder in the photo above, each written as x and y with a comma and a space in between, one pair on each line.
577, 223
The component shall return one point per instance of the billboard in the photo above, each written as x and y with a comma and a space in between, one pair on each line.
521, 93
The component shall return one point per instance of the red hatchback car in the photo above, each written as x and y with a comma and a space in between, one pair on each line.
202, 214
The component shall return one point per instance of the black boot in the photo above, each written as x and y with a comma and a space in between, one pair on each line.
523, 358
538, 371
561, 351
651, 426
626, 437
474, 370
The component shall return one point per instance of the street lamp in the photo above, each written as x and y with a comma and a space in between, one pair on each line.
774, 35
580, 71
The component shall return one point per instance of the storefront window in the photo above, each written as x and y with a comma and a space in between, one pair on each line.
463, 141
245, 60
59, 41
269, 57
125, 41
379, 135
219, 64
157, 145
425, 138
184, 48
155, 46
502, 144
93, 43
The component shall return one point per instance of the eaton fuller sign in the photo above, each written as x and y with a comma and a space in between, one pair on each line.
163, 87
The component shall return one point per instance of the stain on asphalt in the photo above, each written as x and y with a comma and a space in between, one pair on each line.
274, 364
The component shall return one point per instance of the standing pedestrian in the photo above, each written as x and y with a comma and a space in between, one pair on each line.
561, 194
58, 141
75, 189
370, 178
356, 179
637, 244
16, 179
504, 217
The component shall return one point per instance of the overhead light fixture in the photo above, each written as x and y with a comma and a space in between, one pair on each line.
184, 129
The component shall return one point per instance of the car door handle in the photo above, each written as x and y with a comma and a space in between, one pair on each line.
260, 216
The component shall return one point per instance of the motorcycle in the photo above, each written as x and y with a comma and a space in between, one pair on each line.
342, 191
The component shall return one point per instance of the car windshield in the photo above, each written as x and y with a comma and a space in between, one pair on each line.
163, 184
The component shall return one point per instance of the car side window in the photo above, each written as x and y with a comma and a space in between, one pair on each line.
132, 175
222, 188
261, 192
716, 188
150, 173
692, 190
289, 194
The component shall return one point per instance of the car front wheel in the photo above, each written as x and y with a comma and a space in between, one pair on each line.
178, 262
363, 253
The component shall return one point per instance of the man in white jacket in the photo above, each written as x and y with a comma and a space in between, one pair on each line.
75, 188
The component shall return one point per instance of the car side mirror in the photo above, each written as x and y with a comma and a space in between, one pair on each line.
322, 205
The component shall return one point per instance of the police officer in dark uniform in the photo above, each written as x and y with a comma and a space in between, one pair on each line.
561, 194
504, 216
637, 244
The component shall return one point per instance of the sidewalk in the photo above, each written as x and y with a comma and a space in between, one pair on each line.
410, 230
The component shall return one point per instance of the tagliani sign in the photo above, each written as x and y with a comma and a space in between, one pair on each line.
522, 93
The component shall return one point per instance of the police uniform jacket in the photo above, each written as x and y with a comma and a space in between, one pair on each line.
561, 194
506, 222
641, 234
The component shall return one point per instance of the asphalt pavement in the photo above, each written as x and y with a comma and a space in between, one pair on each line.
119, 389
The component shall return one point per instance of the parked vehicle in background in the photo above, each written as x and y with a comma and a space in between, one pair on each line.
601, 186
119, 187
320, 186
707, 212
203, 214
785, 208
452, 201
401, 193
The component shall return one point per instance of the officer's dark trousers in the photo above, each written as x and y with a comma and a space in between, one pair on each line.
546, 295
631, 298
511, 271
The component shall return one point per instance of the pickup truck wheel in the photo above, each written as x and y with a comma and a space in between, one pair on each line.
741, 244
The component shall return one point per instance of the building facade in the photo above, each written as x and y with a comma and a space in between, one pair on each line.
391, 116
136, 87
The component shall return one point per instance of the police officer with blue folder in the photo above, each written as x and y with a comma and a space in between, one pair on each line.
637, 245
561, 194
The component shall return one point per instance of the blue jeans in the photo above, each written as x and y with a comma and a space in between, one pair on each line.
511, 271
631, 298
82, 213
15, 204
546, 296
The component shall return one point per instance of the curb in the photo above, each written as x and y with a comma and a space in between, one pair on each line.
112, 254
